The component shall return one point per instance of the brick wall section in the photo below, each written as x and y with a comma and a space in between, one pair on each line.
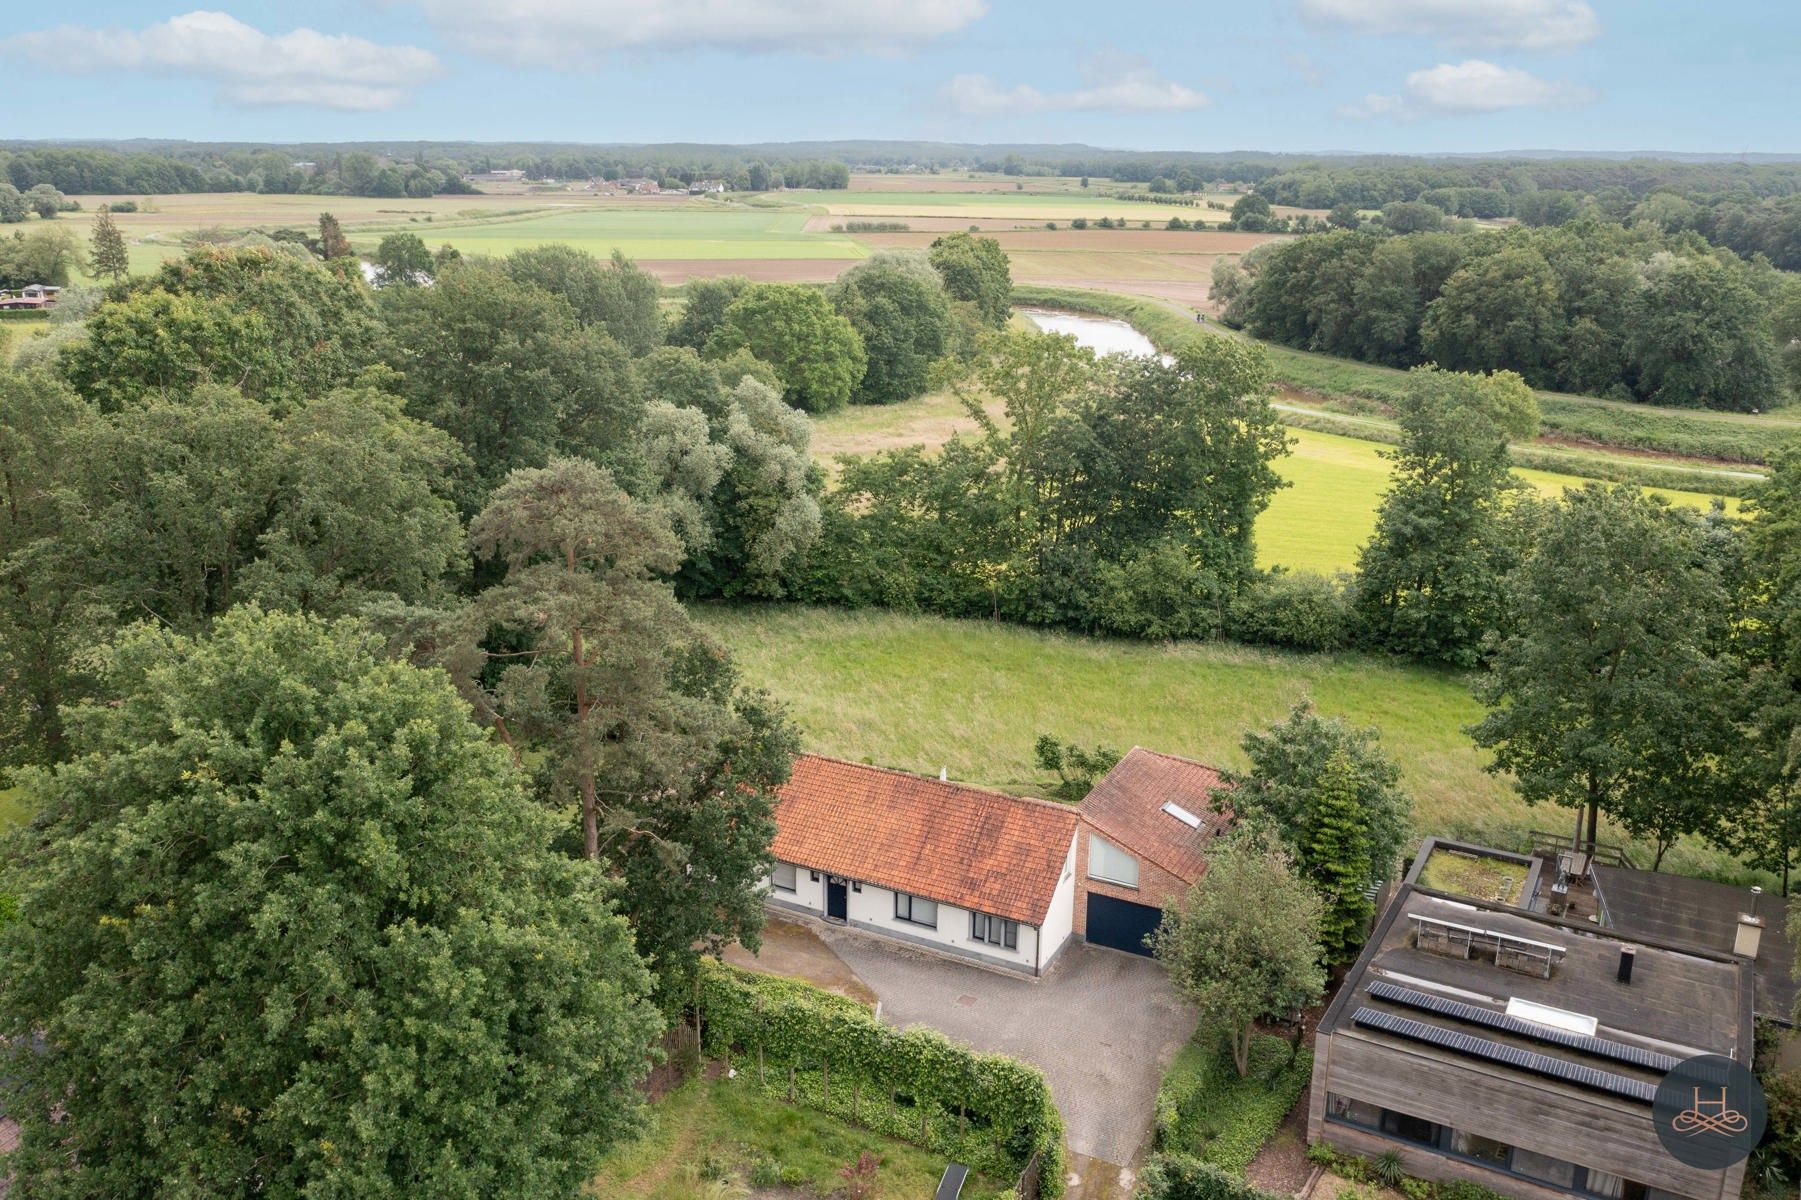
1155, 885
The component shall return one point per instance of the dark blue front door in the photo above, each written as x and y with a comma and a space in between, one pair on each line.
835, 901
1120, 923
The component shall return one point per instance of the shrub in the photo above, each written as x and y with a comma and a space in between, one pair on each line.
1184, 1177
1205, 1111
1389, 1168
765, 1173
1299, 611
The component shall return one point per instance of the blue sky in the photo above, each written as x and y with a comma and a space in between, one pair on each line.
1370, 75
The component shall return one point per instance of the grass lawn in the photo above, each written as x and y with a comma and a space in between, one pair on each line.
12, 808
920, 693
723, 1128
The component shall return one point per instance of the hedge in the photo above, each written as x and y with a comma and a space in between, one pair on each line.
811, 1047
1206, 1111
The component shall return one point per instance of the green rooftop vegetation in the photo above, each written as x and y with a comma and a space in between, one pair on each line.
1478, 876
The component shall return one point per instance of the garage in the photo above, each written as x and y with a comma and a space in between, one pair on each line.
1120, 923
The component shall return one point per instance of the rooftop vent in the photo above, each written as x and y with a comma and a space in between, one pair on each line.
1181, 814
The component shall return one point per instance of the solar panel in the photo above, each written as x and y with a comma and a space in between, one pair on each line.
1511, 1056
1457, 1010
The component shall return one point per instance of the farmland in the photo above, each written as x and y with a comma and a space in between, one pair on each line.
922, 693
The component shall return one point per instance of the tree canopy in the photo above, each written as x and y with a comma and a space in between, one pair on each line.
817, 353
289, 925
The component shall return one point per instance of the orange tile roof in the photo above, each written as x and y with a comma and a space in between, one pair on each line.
949, 842
1127, 808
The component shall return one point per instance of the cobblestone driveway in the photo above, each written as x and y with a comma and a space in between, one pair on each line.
1101, 1025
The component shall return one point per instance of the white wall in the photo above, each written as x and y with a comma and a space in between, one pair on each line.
872, 909
1061, 917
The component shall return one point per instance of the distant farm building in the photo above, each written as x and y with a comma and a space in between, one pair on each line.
509, 176
706, 187
32, 296
639, 186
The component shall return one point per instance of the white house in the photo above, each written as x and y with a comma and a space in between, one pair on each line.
954, 868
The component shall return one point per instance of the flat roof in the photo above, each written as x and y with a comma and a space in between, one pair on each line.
1700, 912
1681, 1001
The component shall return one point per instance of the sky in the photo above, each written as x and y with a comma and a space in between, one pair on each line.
1390, 76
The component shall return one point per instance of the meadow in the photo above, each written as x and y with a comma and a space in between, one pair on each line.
924, 693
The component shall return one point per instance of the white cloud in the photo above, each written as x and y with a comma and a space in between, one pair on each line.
1478, 24
252, 68
553, 33
1114, 83
1471, 86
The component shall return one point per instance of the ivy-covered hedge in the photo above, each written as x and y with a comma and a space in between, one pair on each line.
812, 1047
1206, 1111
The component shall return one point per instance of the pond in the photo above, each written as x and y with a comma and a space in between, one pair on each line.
1103, 335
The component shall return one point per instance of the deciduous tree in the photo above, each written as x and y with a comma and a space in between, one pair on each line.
898, 305
1607, 690
976, 270
1244, 945
290, 926
1429, 582
816, 352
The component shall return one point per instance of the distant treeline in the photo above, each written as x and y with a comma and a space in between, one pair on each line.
1589, 307
1752, 208
93, 171
326, 171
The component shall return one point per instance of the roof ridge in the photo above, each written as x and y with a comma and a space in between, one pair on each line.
1181, 758
956, 784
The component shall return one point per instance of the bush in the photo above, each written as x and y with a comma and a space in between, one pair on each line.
765, 1173
1299, 610
1184, 1177
1205, 1111
829, 1053
9, 908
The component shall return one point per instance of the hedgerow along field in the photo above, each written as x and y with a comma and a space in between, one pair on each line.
924, 693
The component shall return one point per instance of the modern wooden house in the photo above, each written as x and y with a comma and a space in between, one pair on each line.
1521, 1051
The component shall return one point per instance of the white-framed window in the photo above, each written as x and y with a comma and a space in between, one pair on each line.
782, 877
996, 931
915, 910
1109, 864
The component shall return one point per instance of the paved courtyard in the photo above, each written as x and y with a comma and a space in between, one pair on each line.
1102, 1026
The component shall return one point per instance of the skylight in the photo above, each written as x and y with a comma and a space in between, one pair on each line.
1181, 814
1555, 1018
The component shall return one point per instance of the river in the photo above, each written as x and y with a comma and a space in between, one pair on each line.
1103, 335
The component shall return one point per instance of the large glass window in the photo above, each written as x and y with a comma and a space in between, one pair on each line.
915, 910
1355, 1112
1409, 1129
782, 878
1474, 1145
1109, 864
994, 930
1544, 1168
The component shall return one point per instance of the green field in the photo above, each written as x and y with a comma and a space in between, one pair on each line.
677, 230
923, 693
1338, 482
1028, 205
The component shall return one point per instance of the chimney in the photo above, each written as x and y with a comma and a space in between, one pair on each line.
1750, 929
944, 774
1627, 955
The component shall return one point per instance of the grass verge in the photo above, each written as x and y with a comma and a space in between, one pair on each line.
711, 1134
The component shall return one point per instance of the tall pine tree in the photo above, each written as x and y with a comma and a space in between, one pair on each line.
1337, 858
108, 258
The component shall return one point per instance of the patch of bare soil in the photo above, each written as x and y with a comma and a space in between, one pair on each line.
1100, 240
1282, 1166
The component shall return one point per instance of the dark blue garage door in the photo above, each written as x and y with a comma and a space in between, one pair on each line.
1120, 923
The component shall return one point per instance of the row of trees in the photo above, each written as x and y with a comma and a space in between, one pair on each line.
1589, 307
